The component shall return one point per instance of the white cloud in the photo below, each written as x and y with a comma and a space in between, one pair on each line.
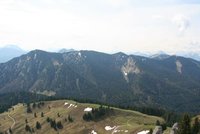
182, 22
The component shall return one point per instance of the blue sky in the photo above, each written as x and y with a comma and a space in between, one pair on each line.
102, 25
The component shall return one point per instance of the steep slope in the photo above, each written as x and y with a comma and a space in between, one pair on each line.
118, 79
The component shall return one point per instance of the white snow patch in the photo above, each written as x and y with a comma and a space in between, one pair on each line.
125, 73
88, 109
79, 54
108, 128
117, 131
35, 56
144, 132
72, 105
93, 132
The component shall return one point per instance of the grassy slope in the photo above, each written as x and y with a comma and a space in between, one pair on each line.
125, 119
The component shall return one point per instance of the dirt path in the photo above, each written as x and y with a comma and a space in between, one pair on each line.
12, 120
127, 124
12, 124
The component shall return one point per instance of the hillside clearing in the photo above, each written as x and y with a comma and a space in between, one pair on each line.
125, 121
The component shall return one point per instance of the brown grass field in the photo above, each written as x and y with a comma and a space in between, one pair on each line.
130, 121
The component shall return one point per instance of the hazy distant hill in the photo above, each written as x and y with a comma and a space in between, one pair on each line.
160, 56
195, 56
119, 79
9, 52
65, 50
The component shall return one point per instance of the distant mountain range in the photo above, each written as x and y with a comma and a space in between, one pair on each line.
192, 55
9, 52
127, 80
12, 51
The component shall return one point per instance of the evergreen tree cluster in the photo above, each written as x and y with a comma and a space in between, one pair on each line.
97, 113
185, 126
171, 118
28, 128
38, 125
31, 130
55, 125
19, 97
37, 105
34, 105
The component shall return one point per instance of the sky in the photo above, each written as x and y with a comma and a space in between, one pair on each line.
102, 25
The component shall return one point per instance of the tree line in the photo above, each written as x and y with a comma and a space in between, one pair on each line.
97, 113
186, 126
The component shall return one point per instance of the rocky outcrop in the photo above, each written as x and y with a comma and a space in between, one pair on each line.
174, 129
157, 130
129, 67
179, 66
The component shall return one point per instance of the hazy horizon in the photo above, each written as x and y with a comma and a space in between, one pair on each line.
139, 53
107, 26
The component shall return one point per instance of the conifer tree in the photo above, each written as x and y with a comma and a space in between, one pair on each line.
59, 125
157, 123
42, 114
34, 105
184, 125
29, 110
48, 119
38, 125
150, 131
26, 121
196, 126
28, 128
35, 115
10, 131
